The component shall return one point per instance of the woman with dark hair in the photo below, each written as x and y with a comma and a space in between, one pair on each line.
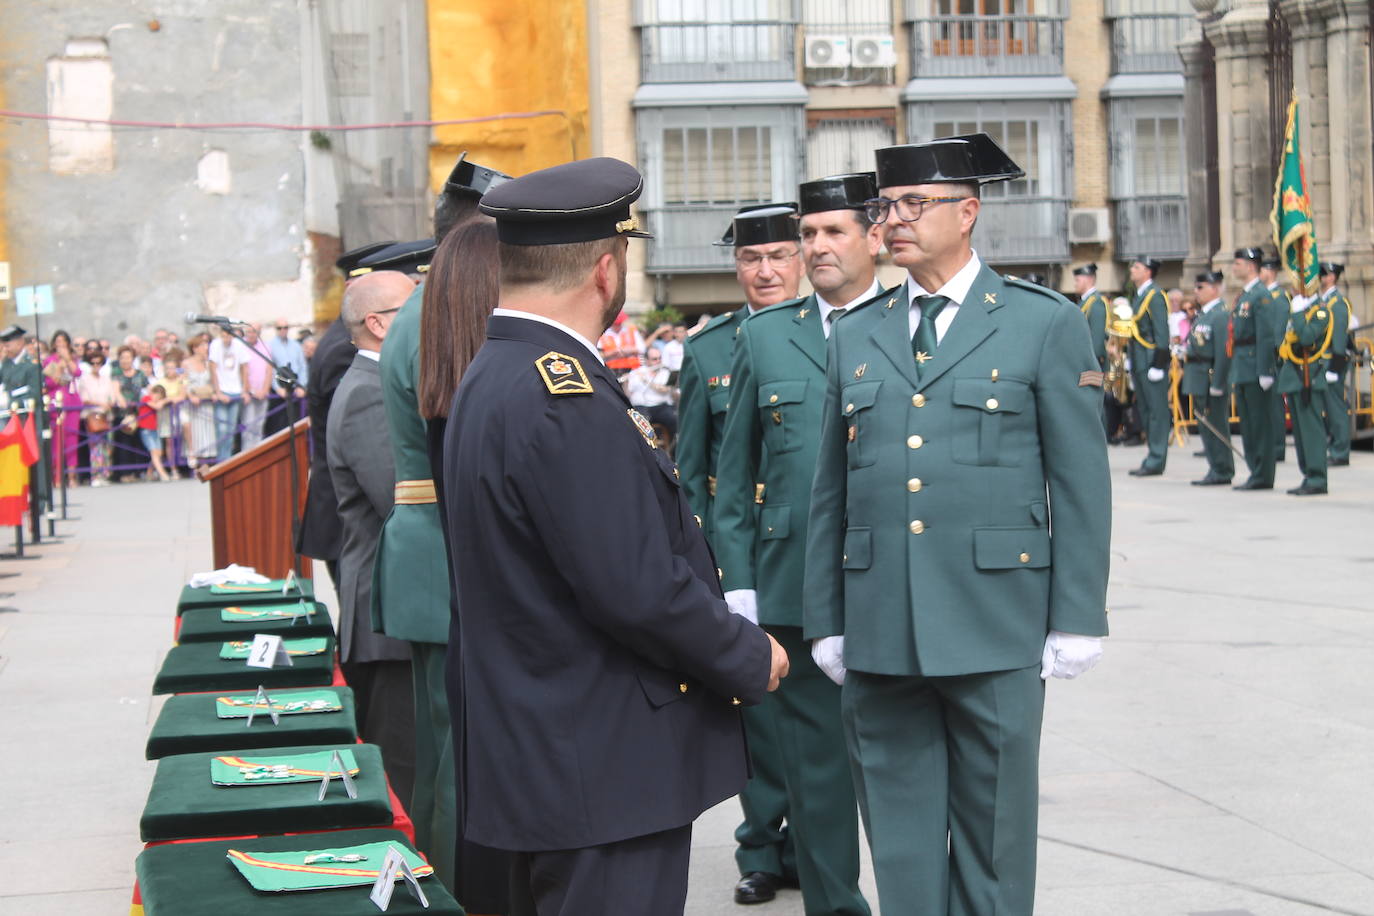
60, 373
460, 292
129, 457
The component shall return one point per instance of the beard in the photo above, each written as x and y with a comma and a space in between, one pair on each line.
617, 301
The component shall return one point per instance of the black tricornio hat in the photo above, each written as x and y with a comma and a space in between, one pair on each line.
763, 225
1087, 270
1153, 264
1249, 254
1213, 277
1037, 279
838, 192
468, 179
1324, 268
574, 202
1272, 262
12, 332
962, 159
349, 260
406, 257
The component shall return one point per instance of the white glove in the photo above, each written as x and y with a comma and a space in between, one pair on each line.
1299, 304
1068, 655
744, 602
1215, 392
828, 653
1154, 374
1332, 377
1266, 382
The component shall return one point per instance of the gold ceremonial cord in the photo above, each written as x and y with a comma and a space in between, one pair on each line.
1087, 308
1286, 349
1135, 319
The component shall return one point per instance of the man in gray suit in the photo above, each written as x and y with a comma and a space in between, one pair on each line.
377, 667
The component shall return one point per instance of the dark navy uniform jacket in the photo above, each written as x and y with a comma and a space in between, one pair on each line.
600, 665
321, 531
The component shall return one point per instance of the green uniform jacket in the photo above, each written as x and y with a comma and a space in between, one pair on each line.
1282, 306
1150, 307
410, 587
704, 383
1339, 306
20, 374
929, 544
1253, 321
1097, 311
1208, 365
1309, 329
771, 433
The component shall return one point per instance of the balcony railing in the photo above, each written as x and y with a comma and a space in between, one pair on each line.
987, 46
1023, 230
1147, 44
683, 237
1157, 226
699, 52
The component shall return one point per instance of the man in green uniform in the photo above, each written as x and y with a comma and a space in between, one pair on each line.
771, 435
1269, 276
1337, 406
769, 268
1303, 360
1254, 345
1205, 380
961, 414
21, 378
410, 591
1095, 308
1149, 354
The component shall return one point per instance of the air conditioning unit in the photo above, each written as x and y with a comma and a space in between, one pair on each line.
872, 51
1089, 224
826, 51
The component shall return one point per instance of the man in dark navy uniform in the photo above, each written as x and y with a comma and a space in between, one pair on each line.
601, 670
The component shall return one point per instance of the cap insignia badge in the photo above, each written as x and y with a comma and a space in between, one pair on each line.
562, 374
627, 225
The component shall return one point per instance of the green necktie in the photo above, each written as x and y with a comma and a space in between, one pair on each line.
924, 341
834, 316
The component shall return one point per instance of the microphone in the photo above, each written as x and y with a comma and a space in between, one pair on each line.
222, 320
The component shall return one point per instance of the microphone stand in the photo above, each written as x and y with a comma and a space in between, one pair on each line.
286, 377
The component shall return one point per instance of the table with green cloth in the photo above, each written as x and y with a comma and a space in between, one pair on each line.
206, 625
190, 723
183, 802
217, 596
197, 666
196, 879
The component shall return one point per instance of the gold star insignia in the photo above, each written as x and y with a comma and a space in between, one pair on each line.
990, 298
923, 357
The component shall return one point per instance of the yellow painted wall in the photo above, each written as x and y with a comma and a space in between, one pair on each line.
490, 57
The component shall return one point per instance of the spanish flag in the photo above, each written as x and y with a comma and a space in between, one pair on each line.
18, 452
1295, 235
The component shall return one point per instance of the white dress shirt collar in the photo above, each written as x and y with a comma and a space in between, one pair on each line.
1211, 305
826, 308
956, 289
374, 355
530, 316
1251, 284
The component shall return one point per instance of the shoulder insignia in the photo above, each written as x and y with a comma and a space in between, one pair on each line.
646, 429
562, 374
1090, 379
803, 313
1321, 313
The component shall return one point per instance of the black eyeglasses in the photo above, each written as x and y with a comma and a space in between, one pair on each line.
909, 206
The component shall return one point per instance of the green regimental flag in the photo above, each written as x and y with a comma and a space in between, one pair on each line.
1295, 235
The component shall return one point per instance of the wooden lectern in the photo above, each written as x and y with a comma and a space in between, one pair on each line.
250, 500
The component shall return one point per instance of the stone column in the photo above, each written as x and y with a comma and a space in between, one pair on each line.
1350, 236
1193, 52
1307, 28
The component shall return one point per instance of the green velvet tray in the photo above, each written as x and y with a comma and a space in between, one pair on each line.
184, 803
204, 625
195, 879
188, 724
197, 666
203, 597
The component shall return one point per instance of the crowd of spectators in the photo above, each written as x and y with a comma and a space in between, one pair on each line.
648, 368
157, 409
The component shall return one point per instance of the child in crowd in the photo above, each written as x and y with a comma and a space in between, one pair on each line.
152, 402
170, 417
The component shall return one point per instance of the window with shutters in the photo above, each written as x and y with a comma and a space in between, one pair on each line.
1146, 33
1148, 183
843, 145
689, 41
986, 37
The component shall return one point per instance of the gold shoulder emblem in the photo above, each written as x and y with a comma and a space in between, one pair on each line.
646, 429
562, 374
990, 298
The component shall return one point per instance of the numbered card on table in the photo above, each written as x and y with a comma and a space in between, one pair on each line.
267, 612
232, 770
320, 869
292, 704
240, 649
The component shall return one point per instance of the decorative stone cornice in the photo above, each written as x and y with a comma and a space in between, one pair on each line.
1242, 32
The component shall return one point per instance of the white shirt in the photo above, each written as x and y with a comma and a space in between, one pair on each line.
956, 290
374, 355
672, 355
1251, 283
827, 308
227, 359
1211, 305
530, 316
639, 386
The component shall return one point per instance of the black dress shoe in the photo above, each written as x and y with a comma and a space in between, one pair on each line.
1306, 490
1147, 472
1200, 453
1210, 481
756, 887
1252, 485
1338, 463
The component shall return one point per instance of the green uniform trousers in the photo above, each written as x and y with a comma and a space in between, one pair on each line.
763, 841
1221, 463
1309, 435
1280, 430
823, 815
947, 771
1155, 419
1338, 419
1256, 409
434, 804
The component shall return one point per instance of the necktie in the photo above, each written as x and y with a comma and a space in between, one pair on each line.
834, 316
924, 341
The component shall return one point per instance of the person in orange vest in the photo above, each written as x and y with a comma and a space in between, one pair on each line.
622, 345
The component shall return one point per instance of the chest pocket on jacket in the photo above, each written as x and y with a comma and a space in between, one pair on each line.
780, 404
719, 400
986, 411
856, 404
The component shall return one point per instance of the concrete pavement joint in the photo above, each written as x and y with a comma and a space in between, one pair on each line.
1282, 600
